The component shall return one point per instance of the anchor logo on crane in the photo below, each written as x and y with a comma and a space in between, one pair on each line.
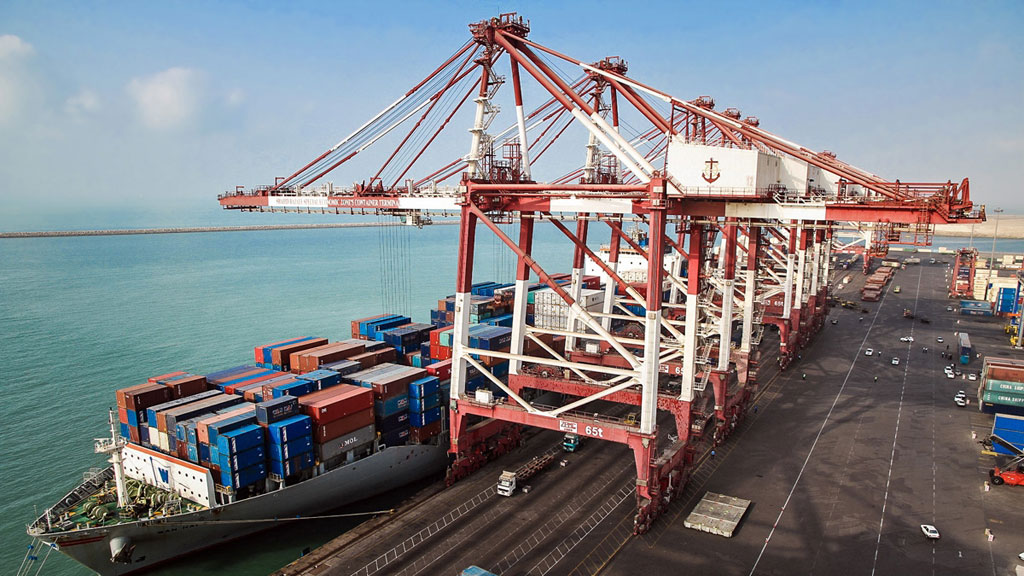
711, 171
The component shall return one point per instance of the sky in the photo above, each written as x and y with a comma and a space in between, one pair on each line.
137, 114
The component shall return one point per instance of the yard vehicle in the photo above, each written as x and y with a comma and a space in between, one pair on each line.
908, 314
571, 442
507, 480
1013, 473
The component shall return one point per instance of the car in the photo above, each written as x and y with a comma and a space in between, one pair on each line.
972, 377
949, 308
834, 321
907, 339
1021, 555
961, 402
950, 375
930, 531
896, 289
895, 361
939, 339
869, 352
961, 393
957, 372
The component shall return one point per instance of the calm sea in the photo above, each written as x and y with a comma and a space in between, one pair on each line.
80, 317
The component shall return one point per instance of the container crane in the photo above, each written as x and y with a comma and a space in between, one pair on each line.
740, 225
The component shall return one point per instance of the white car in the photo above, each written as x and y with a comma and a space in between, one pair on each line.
939, 339
961, 402
930, 531
949, 308
895, 361
869, 352
950, 375
907, 339
972, 377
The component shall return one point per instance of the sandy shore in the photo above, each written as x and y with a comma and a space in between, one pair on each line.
1010, 226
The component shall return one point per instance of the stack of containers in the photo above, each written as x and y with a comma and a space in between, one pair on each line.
289, 436
182, 384
371, 328
265, 354
280, 356
132, 403
390, 385
158, 439
379, 355
550, 311
240, 376
424, 409
241, 456
224, 426
341, 419
167, 419
199, 434
311, 359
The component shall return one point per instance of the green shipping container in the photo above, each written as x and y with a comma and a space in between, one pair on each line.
1004, 398
1004, 386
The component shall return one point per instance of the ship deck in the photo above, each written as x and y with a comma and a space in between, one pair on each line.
840, 470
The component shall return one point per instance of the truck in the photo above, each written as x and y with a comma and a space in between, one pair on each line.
507, 481
476, 571
1013, 474
571, 442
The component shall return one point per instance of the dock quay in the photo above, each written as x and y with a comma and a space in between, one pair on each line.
841, 470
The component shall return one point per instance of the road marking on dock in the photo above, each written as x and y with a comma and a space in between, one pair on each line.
814, 444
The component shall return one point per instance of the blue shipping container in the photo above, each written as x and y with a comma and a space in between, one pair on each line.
268, 351
242, 460
292, 449
292, 465
423, 404
424, 387
395, 437
395, 421
276, 409
240, 439
300, 388
419, 420
322, 378
288, 429
385, 408
245, 477
343, 367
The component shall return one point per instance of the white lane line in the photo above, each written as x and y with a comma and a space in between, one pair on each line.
815, 443
896, 434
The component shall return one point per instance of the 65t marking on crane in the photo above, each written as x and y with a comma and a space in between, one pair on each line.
573, 427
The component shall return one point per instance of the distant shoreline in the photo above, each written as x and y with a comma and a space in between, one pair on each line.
202, 229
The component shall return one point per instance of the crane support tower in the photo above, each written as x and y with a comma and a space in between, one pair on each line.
961, 285
736, 231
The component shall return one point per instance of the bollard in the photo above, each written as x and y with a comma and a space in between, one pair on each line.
987, 486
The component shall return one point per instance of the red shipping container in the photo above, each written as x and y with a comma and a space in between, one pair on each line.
133, 434
280, 356
122, 415
258, 350
355, 325
203, 426
435, 336
187, 386
143, 396
331, 430
166, 376
268, 388
230, 389
311, 360
423, 434
397, 384
336, 402
442, 369
374, 357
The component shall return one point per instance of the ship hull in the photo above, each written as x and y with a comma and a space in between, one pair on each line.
158, 540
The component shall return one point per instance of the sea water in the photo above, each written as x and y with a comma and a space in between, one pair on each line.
81, 317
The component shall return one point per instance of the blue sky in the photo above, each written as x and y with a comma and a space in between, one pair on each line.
140, 113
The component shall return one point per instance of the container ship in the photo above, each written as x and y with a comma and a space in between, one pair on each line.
312, 426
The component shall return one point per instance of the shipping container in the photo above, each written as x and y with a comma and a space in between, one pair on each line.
323, 432
243, 478
288, 429
1009, 428
424, 404
424, 387
217, 427
228, 372
334, 448
240, 439
281, 356
385, 407
264, 377
291, 466
425, 418
442, 369
240, 460
270, 385
270, 411
337, 402
322, 378
375, 357
264, 354
294, 447
1011, 387
152, 411
395, 437
342, 367
142, 396
202, 425
297, 388
167, 420
423, 434
396, 420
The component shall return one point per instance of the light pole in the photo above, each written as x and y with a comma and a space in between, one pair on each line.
992, 256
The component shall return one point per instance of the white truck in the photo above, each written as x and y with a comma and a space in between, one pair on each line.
507, 483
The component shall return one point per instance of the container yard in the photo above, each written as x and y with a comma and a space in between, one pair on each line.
713, 345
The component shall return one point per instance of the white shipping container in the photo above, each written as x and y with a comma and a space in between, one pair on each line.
344, 443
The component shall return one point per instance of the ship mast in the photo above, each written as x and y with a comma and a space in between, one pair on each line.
112, 446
